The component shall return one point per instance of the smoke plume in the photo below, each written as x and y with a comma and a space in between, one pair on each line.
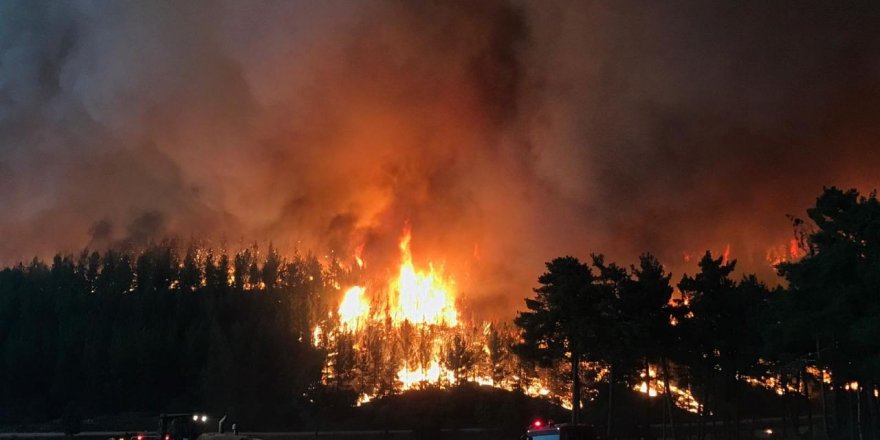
505, 133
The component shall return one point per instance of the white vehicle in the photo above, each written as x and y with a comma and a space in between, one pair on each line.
562, 431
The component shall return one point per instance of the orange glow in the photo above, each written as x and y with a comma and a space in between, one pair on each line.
777, 255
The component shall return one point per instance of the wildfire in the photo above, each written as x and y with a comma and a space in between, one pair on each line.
409, 328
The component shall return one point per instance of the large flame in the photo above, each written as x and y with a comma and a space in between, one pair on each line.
421, 297
354, 308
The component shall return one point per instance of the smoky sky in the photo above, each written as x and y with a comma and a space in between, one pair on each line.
505, 133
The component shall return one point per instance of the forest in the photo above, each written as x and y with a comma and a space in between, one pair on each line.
172, 327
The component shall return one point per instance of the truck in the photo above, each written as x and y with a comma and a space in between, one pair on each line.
182, 426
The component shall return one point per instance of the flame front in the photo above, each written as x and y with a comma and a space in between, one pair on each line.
433, 374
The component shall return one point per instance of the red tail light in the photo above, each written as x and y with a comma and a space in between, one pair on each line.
537, 424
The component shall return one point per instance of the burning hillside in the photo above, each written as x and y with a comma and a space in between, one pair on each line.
411, 325
407, 332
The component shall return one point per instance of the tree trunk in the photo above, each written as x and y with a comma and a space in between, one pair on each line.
825, 430
859, 418
874, 413
704, 407
610, 401
734, 393
786, 411
575, 388
852, 416
714, 397
646, 412
806, 384
793, 405
663, 420
836, 417
669, 407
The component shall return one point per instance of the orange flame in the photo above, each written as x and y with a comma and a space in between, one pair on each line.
354, 308
421, 297
794, 250
358, 256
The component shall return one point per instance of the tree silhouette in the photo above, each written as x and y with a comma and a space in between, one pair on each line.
830, 313
498, 345
137, 331
562, 321
459, 358
645, 303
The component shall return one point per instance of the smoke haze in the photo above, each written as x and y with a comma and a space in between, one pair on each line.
505, 132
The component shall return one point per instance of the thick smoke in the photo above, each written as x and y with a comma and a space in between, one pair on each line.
505, 133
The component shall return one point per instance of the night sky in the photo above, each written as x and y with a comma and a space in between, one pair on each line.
505, 132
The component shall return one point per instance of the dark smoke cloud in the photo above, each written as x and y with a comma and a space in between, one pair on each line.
506, 133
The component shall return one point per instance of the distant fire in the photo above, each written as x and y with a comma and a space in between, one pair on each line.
784, 253
653, 387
